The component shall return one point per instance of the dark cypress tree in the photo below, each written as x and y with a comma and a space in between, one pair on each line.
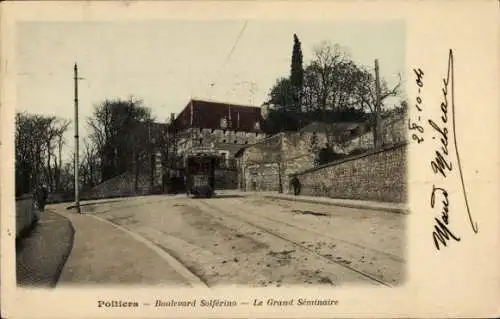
297, 72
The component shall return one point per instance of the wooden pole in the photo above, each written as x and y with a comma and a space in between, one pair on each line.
377, 135
77, 195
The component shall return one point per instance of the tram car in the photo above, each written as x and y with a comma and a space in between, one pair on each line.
200, 174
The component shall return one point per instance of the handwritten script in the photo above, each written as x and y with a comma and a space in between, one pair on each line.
444, 162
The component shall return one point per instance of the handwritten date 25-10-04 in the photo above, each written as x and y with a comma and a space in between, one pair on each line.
415, 126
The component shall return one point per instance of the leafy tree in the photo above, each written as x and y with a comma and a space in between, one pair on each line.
280, 120
119, 131
281, 95
282, 116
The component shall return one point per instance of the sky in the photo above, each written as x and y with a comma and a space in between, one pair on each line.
166, 62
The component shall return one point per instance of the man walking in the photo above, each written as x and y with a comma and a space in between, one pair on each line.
42, 198
296, 185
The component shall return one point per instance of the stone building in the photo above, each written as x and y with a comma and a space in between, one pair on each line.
268, 164
221, 128
224, 127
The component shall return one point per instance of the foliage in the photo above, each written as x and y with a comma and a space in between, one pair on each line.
348, 114
286, 95
296, 73
281, 95
119, 134
327, 155
280, 120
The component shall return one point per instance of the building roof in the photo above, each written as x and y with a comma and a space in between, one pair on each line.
210, 114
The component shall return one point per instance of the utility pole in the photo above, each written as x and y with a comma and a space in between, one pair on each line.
377, 136
77, 195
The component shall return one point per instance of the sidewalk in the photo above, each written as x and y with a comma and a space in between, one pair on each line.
390, 207
42, 252
104, 254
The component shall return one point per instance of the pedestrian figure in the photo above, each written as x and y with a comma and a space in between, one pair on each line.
296, 185
42, 198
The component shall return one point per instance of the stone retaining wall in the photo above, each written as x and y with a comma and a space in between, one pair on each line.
379, 176
26, 213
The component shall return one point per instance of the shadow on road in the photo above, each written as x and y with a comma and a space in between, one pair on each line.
226, 196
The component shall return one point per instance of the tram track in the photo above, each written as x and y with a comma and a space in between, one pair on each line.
324, 235
209, 208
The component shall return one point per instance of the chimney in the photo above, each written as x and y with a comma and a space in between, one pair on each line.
192, 113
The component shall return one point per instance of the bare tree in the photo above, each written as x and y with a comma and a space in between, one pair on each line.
366, 97
90, 164
35, 143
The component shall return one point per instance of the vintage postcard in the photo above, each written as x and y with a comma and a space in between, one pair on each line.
203, 159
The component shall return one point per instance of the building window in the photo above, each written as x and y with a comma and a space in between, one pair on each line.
224, 132
256, 134
201, 141
213, 130
246, 142
201, 130
235, 141
223, 141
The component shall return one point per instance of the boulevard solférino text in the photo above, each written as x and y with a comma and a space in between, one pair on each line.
215, 303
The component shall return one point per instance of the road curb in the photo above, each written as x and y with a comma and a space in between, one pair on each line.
190, 277
361, 205
67, 253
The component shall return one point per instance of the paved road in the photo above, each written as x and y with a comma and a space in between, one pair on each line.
40, 256
256, 241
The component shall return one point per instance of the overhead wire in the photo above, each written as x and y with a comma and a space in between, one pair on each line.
228, 58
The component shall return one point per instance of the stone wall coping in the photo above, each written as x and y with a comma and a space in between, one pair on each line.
284, 161
275, 136
269, 164
353, 158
